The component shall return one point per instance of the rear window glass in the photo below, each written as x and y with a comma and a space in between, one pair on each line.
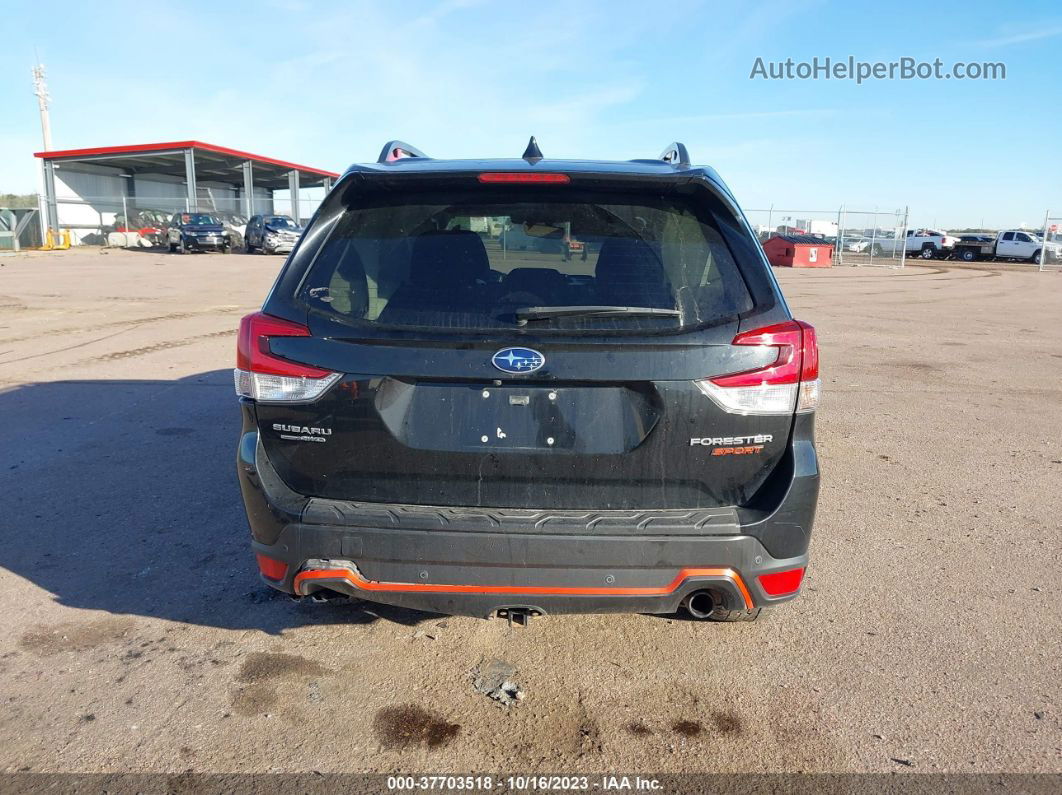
545, 262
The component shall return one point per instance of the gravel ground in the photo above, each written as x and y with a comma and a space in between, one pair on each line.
137, 636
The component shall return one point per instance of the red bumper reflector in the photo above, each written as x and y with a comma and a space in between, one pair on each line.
273, 569
780, 583
509, 177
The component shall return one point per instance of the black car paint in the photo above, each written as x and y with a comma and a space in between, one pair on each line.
403, 543
189, 235
420, 433
303, 501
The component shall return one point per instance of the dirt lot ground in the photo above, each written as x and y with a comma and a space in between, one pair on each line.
137, 636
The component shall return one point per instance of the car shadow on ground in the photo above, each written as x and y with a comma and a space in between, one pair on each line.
164, 250
121, 496
239, 250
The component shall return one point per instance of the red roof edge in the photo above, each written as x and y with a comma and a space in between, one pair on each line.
121, 150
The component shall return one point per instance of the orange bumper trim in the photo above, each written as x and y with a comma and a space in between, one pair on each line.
362, 584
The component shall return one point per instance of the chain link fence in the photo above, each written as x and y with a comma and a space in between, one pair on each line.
772, 221
858, 237
873, 238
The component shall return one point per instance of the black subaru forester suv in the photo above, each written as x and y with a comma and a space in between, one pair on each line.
443, 411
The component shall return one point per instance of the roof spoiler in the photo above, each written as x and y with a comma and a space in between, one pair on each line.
398, 150
676, 155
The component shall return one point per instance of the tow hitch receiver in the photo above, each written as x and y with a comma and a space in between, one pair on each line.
520, 616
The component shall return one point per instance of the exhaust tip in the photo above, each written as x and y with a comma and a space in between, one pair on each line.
327, 596
700, 604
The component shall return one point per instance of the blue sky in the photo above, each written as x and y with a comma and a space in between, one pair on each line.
325, 84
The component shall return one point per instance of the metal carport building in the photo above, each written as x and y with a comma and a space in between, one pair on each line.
90, 188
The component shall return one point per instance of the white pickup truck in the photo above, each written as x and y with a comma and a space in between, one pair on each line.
1010, 244
925, 243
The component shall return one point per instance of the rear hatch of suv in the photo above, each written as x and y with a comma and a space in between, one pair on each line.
438, 341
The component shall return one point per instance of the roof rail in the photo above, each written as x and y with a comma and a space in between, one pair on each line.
676, 155
398, 150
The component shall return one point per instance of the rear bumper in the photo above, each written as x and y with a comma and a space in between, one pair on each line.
283, 247
475, 562
473, 573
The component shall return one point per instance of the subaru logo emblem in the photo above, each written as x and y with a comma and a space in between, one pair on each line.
518, 360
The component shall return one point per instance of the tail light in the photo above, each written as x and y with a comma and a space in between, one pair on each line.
510, 177
261, 375
790, 382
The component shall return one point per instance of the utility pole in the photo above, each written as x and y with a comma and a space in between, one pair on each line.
40, 88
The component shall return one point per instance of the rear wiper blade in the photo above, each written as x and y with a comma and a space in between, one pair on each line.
546, 312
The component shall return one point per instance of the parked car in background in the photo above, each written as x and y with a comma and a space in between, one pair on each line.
1014, 244
234, 224
575, 248
196, 232
858, 245
273, 234
145, 223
